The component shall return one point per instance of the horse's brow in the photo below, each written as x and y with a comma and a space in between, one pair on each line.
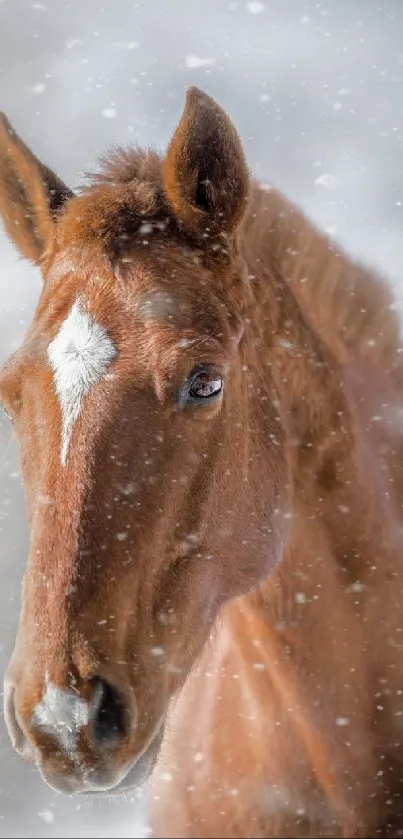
161, 305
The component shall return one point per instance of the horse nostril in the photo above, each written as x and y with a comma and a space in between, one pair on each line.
111, 719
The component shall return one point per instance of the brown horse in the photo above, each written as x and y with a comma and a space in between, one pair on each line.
209, 404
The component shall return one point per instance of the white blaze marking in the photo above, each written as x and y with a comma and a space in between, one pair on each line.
62, 713
79, 356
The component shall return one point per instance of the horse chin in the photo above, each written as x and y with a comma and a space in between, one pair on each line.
119, 782
139, 772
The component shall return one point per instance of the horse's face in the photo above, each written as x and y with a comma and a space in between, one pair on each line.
151, 496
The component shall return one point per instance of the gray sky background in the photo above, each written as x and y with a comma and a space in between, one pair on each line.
316, 91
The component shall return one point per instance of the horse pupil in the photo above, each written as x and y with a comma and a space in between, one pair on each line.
203, 387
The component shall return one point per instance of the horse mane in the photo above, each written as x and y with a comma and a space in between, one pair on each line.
351, 306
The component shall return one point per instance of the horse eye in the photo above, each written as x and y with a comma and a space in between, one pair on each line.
205, 385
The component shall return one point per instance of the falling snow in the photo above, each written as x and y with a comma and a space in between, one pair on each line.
47, 816
109, 113
254, 7
342, 721
74, 42
194, 61
328, 181
39, 88
126, 45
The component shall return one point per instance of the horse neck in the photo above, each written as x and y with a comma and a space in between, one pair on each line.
302, 625
307, 371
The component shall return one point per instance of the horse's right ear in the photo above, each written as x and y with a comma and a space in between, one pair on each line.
30, 195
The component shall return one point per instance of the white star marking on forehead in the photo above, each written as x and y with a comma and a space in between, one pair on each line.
79, 356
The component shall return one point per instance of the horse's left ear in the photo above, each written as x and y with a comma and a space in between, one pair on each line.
31, 195
205, 172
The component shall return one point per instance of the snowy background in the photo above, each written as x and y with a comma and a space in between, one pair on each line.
316, 90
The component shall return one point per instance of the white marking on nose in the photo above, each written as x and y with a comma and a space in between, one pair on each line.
79, 356
62, 713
